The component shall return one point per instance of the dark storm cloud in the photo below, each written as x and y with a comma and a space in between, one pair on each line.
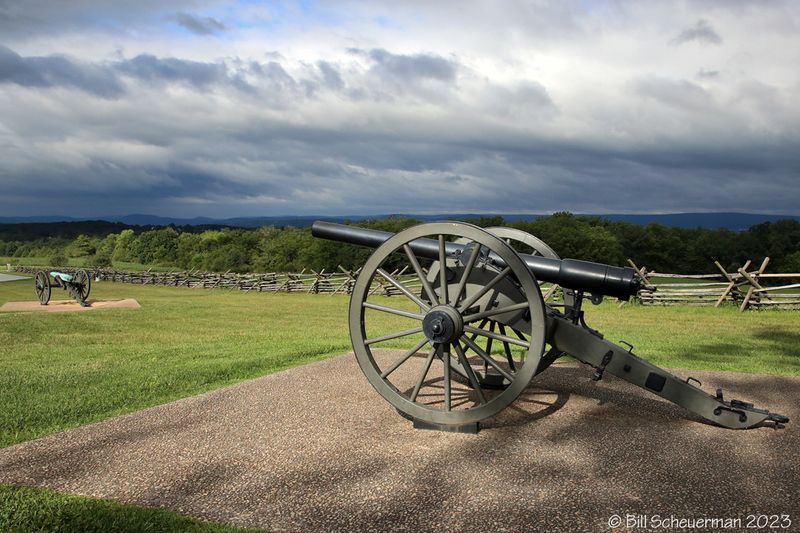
147, 67
199, 25
275, 74
389, 76
370, 172
701, 32
58, 70
104, 78
392, 73
412, 67
705, 73
330, 75
674, 93
522, 98
45, 17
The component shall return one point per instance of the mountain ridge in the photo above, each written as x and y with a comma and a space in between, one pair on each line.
729, 220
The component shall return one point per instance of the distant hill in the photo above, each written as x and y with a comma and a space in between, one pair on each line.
731, 221
28, 230
69, 229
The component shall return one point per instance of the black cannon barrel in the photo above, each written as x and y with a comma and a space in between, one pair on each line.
595, 278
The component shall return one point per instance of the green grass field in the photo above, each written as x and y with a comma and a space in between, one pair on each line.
62, 370
25, 509
67, 369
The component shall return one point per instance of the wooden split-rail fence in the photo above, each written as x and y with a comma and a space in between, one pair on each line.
744, 288
309, 281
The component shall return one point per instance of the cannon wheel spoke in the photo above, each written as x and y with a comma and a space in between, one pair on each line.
402, 288
473, 379
448, 402
405, 357
443, 297
507, 349
424, 373
486, 357
393, 311
476, 252
392, 336
496, 336
420, 274
494, 312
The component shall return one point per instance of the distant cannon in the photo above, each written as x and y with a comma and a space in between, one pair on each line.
478, 310
78, 285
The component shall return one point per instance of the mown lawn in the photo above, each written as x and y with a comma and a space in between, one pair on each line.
67, 369
26, 509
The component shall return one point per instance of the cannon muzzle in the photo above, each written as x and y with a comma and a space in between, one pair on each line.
586, 276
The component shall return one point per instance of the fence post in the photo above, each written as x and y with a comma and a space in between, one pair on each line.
731, 282
753, 282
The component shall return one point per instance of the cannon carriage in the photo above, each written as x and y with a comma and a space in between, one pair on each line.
478, 330
78, 285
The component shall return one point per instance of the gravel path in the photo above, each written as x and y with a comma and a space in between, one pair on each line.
11, 277
316, 449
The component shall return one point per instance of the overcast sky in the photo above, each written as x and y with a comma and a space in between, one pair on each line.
195, 108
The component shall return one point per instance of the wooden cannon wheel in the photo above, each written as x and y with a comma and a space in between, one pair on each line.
83, 284
439, 324
42, 287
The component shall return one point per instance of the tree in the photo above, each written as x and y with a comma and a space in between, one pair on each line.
576, 237
82, 246
487, 221
58, 260
188, 252
107, 245
156, 246
791, 263
122, 249
101, 261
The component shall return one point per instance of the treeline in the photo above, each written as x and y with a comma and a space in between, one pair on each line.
269, 249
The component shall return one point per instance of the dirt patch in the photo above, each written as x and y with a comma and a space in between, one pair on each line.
58, 306
11, 277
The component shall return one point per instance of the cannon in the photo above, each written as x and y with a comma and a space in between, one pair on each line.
473, 304
78, 285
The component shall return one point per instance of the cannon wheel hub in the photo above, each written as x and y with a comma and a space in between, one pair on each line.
443, 324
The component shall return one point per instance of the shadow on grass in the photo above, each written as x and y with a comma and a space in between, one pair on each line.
785, 341
767, 342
